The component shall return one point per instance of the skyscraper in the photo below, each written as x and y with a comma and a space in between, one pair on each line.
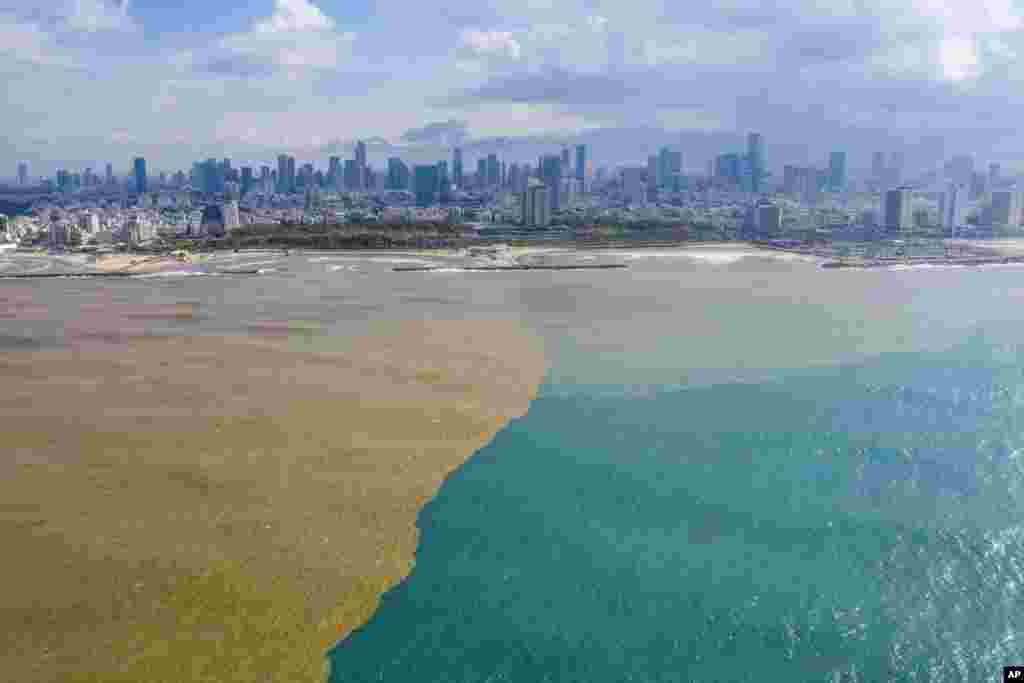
978, 186
727, 168
581, 162
898, 212
951, 208
551, 176
665, 173
994, 172
755, 157
444, 183
536, 205
398, 174
960, 169
361, 164
653, 175
896, 161
110, 174
425, 184
23, 173
837, 171
878, 167
334, 171
633, 190
493, 170
457, 167
282, 174
352, 174
140, 174
247, 180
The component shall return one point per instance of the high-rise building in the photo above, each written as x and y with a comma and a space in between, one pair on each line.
951, 208
361, 164
444, 182
581, 162
247, 180
551, 175
398, 174
653, 177
665, 174
727, 169
334, 172
896, 163
457, 167
994, 173
837, 171
755, 157
878, 167
633, 190
1006, 208
139, 167
352, 174
283, 186
425, 184
213, 180
493, 171
978, 186
110, 174
23, 173
481, 172
899, 214
535, 204
960, 169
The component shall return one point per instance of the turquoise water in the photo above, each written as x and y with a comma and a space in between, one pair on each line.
856, 522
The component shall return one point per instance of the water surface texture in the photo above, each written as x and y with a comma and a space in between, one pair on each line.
859, 522
740, 467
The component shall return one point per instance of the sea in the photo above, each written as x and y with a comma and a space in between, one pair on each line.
740, 466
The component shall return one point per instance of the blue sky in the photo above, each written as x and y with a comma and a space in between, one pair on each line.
88, 80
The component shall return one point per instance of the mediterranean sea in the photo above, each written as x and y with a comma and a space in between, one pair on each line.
774, 477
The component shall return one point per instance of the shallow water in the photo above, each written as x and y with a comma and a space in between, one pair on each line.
740, 468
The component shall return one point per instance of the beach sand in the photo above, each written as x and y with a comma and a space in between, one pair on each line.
137, 263
227, 508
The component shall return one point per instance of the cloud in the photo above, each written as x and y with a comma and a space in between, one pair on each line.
450, 132
295, 15
297, 36
490, 43
92, 16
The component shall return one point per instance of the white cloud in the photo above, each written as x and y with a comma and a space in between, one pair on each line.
295, 15
959, 58
490, 43
296, 37
91, 16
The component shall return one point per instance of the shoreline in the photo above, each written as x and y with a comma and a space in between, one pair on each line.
244, 518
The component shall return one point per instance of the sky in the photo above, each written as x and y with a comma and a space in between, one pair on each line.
90, 81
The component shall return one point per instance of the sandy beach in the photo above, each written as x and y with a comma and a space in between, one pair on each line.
227, 508
136, 263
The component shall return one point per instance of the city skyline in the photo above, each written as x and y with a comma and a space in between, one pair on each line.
115, 80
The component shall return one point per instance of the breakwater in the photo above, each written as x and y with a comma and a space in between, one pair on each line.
591, 266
